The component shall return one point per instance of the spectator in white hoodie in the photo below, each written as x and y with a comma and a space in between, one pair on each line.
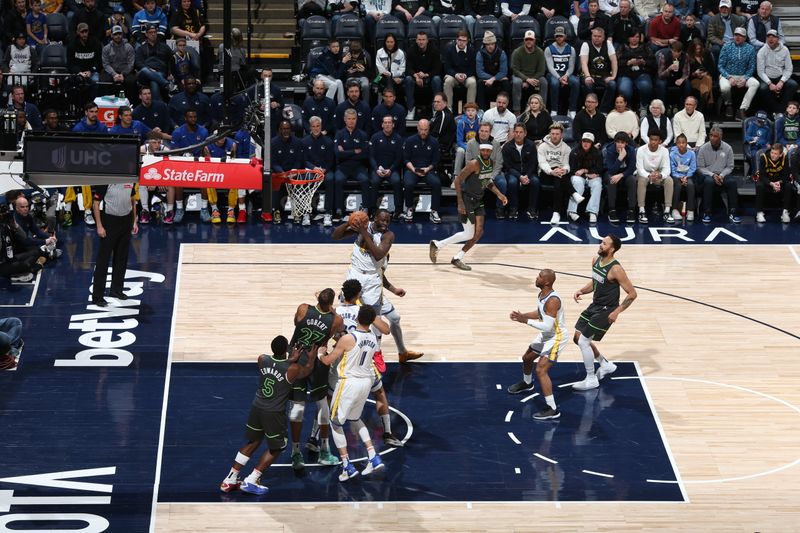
653, 168
553, 155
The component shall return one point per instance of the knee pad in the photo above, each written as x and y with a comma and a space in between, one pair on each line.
296, 411
323, 412
393, 317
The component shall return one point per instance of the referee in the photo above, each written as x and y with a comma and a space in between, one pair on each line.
114, 227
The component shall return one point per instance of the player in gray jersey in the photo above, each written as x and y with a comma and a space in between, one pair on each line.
607, 278
267, 417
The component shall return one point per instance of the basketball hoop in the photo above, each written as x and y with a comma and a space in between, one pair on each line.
301, 184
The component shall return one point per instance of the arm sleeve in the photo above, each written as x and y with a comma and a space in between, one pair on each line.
546, 324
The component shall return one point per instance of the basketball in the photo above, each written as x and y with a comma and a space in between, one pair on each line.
358, 219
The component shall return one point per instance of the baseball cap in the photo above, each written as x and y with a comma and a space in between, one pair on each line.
761, 115
587, 136
740, 31
773, 32
724, 3
489, 38
530, 35
560, 31
119, 9
83, 26
19, 35
116, 29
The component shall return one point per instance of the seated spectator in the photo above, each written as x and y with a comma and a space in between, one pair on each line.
690, 122
599, 68
154, 113
758, 26
491, 67
307, 8
85, 58
95, 20
421, 154
737, 64
320, 106
385, 163
20, 58
352, 161
653, 169
721, 28
536, 120
527, 68
390, 63
589, 119
19, 103
357, 66
36, 25
757, 137
619, 160
624, 23
773, 178
423, 70
185, 62
519, 169
11, 342
326, 68
657, 119
553, 159
787, 127
586, 165
32, 235
319, 154
511, 9
459, 68
637, 67
683, 166
593, 18
118, 59
14, 19
682, 7
501, 119
665, 29
621, 118
747, 8
647, 9
388, 106
149, 16
439, 8
702, 71
406, 10
774, 68
690, 31
672, 85
152, 61
190, 98
561, 61
355, 103
544, 10
187, 22
118, 18
188, 135
715, 170
14, 264
372, 11
336, 8
466, 129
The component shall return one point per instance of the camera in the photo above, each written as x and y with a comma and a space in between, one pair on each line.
6, 214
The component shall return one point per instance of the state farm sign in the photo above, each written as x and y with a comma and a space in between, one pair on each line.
210, 173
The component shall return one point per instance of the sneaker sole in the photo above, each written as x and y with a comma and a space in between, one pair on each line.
600, 374
552, 417
529, 389
347, 477
581, 387
372, 469
257, 492
227, 487
393, 443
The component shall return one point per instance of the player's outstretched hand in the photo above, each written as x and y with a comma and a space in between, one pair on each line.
577, 296
516, 316
399, 292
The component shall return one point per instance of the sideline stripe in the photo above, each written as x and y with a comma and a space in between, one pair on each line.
514, 437
543, 458
796, 257
593, 473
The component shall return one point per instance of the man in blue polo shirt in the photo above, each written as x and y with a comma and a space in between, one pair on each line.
421, 154
318, 150
353, 101
352, 156
390, 107
385, 161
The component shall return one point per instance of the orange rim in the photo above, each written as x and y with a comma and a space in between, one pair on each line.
312, 175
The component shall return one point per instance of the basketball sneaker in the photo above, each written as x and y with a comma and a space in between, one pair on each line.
8, 362
391, 440
605, 369
266, 217
518, 388
179, 214
461, 265
230, 218
373, 465
312, 444
348, 472
241, 218
590, 382
215, 216
297, 461
254, 488
433, 251
230, 486
409, 355
548, 413
88, 218
144, 217
276, 217
169, 217
326, 458
380, 364
205, 216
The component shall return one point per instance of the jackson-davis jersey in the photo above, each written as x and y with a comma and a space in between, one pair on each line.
349, 314
606, 291
357, 362
361, 259
313, 328
559, 327
273, 387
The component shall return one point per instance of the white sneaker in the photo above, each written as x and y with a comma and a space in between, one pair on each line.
88, 218
410, 115
760, 217
690, 216
571, 114
592, 218
587, 384
785, 218
578, 198
604, 370
573, 216
556, 218
306, 220
327, 220
676, 214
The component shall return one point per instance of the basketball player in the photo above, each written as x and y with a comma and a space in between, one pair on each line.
607, 277
313, 325
268, 414
356, 376
470, 184
549, 320
367, 263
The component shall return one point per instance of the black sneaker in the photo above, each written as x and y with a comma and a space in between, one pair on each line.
312, 444
533, 214
643, 217
630, 216
276, 217
612, 216
397, 216
391, 440
337, 216
548, 413
500, 213
518, 388
513, 214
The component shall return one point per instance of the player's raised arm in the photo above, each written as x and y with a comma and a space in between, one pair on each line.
523, 318
378, 252
302, 309
343, 231
344, 344
619, 275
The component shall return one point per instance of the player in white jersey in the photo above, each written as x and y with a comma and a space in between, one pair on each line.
367, 263
356, 375
549, 319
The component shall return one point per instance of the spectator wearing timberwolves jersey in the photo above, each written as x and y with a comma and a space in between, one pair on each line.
277, 373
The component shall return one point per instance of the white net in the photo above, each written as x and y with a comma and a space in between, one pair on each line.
301, 186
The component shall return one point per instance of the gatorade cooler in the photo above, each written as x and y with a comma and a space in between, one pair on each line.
108, 108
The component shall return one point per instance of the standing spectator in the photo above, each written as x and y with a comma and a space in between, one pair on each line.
94, 19
721, 27
424, 68
443, 126
586, 164
388, 106
466, 129
683, 166
190, 98
519, 169
619, 161
319, 153
118, 60
357, 66
20, 58
491, 67
589, 119
150, 15
421, 154
774, 68
657, 119
715, 167
625, 23
528, 68
238, 58
758, 26
390, 63
560, 58
593, 18
385, 162
355, 103
672, 85
152, 60
690, 122
115, 225
459, 68
621, 118
85, 58
326, 68
536, 120
774, 178
501, 119
318, 105
737, 64
352, 159
637, 66
653, 168
553, 159
154, 113
36, 25
665, 29
14, 19
599, 68
702, 69
184, 63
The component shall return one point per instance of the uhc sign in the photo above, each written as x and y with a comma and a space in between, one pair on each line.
205, 173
